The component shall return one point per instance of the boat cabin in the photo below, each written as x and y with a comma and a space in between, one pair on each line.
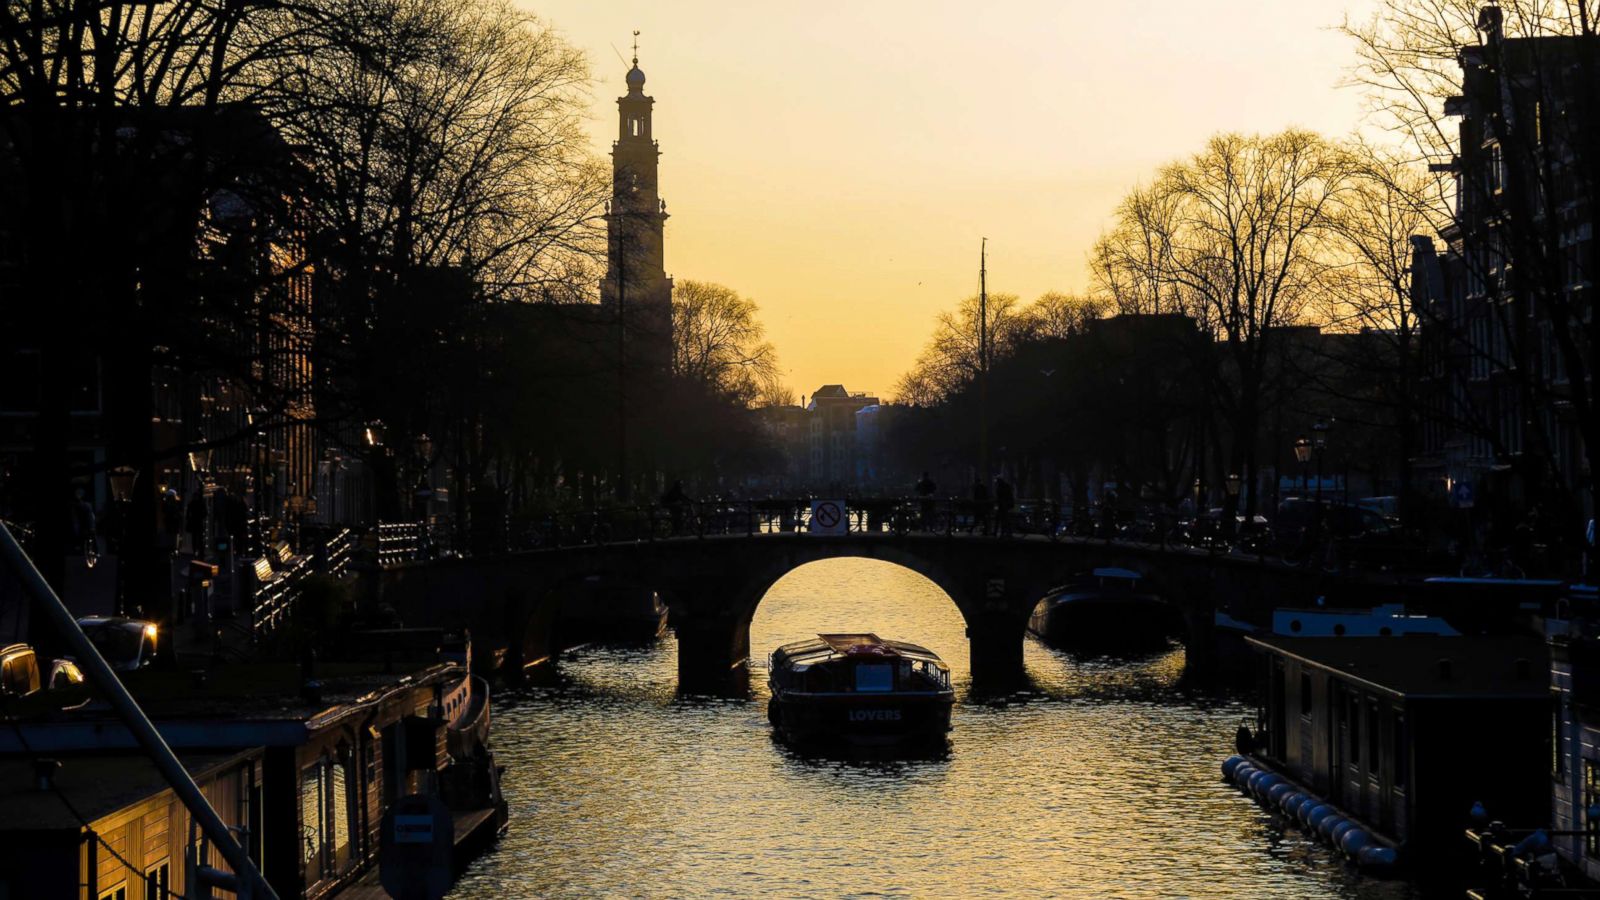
857, 663
1406, 733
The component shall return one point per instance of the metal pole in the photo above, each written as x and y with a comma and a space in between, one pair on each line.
127, 709
983, 362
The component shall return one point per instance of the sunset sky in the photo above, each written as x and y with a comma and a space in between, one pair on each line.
839, 161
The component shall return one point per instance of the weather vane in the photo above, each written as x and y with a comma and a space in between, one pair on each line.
636, 47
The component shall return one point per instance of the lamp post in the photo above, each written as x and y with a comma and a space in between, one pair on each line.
1302, 455
1232, 484
1319, 446
121, 480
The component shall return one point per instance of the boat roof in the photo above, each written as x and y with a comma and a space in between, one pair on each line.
829, 646
1426, 666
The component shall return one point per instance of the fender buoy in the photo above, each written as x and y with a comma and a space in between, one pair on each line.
1316, 815
1332, 821
1290, 802
1277, 792
1302, 810
1376, 859
1241, 776
1353, 841
1229, 764
1336, 833
1260, 786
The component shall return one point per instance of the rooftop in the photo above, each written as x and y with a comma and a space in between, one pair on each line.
1427, 666
96, 785
830, 646
269, 690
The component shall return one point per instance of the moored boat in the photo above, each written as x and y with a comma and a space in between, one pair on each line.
1108, 609
859, 689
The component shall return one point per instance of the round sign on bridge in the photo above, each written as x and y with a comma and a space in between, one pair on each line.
828, 517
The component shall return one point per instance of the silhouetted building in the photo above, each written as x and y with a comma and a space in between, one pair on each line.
832, 435
1500, 420
636, 284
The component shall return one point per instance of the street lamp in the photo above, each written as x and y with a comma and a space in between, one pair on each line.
1319, 446
1302, 455
122, 479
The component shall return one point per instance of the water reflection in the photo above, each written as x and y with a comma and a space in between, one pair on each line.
1100, 781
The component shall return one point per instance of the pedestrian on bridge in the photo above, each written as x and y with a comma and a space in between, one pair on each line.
980, 505
925, 490
675, 500
1004, 500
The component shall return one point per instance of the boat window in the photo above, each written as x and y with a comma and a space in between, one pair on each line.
1400, 751
1591, 797
1305, 693
877, 677
1354, 718
1374, 744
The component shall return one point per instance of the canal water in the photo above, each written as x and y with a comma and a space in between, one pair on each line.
1103, 782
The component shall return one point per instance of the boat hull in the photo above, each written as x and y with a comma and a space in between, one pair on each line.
861, 720
1096, 622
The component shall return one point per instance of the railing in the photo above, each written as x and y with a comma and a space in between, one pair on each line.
334, 551
275, 584
398, 542
393, 544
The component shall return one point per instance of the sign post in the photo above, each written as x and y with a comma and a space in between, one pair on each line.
829, 517
417, 839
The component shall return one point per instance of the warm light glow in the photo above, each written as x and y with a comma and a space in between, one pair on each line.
839, 163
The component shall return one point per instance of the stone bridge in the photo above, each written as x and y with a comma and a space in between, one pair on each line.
713, 585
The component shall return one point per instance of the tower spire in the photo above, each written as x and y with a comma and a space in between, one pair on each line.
636, 47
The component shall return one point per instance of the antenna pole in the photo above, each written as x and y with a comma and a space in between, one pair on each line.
983, 361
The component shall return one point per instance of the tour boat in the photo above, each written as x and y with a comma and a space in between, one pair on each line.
1108, 609
860, 689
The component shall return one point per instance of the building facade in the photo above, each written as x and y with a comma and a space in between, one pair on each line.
1503, 305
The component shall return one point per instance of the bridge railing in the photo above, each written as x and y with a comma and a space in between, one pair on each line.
1034, 519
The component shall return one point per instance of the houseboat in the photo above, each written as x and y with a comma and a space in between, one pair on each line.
1108, 609
859, 689
1382, 745
336, 746
1560, 855
598, 611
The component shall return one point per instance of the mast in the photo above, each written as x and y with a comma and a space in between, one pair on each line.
983, 361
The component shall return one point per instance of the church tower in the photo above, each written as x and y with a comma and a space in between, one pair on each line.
636, 282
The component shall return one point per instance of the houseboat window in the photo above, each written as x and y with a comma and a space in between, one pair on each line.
1401, 752
1591, 796
1354, 718
1558, 756
1374, 741
156, 881
1305, 693
878, 677
120, 892
339, 823
311, 794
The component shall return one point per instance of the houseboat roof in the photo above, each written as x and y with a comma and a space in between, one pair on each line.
830, 646
1426, 666
97, 785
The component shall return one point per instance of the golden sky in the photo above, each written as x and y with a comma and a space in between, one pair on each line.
838, 161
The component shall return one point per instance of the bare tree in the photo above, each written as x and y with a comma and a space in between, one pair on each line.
719, 341
1234, 236
1058, 315
950, 362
